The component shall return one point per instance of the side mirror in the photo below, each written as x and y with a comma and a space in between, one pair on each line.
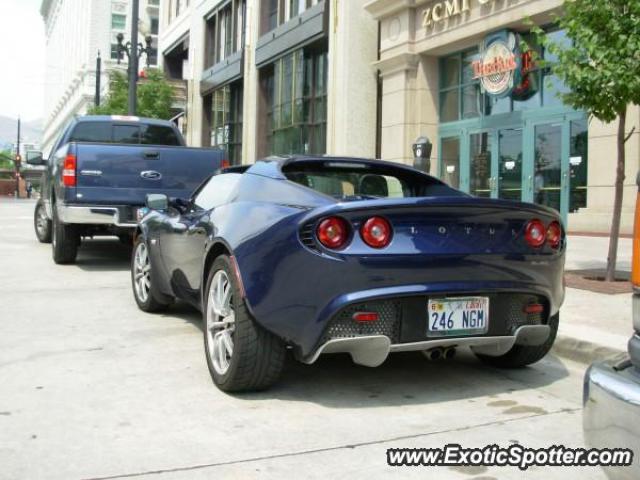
35, 158
157, 201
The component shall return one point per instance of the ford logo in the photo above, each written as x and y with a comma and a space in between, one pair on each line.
151, 175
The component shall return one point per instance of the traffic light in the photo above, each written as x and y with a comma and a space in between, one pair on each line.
18, 161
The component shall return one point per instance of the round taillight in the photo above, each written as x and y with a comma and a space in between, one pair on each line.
333, 232
376, 232
535, 234
554, 234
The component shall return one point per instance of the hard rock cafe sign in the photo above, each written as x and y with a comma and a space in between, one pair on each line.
499, 66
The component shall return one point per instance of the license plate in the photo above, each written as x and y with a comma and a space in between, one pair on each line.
458, 316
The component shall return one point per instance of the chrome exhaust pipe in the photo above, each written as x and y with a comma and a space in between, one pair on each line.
449, 353
435, 353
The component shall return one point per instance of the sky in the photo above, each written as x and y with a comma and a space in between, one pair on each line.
22, 56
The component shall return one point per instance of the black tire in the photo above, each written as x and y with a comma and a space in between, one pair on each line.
258, 356
522, 355
41, 223
154, 301
64, 240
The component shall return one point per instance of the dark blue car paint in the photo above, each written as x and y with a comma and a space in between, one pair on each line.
293, 290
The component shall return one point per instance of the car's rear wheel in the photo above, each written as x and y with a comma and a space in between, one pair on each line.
241, 355
523, 355
145, 291
64, 240
41, 223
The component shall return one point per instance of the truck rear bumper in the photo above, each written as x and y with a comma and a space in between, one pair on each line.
611, 416
95, 215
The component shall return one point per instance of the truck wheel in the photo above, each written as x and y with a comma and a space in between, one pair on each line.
145, 291
241, 355
523, 355
41, 223
64, 240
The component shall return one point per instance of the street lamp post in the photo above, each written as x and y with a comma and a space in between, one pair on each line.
17, 161
133, 51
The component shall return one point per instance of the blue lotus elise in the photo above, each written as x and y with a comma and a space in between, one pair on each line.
324, 255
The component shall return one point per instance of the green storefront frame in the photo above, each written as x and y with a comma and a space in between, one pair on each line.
553, 120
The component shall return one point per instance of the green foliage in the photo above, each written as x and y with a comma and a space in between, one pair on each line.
154, 99
601, 67
6, 160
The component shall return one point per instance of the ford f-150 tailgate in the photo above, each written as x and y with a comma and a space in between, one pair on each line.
124, 174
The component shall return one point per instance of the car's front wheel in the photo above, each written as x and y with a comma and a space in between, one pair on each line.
41, 223
145, 291
241, 355
523, 355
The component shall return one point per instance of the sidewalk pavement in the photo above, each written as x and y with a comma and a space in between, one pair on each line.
594, 326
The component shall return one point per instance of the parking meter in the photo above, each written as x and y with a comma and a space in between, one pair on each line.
422, 154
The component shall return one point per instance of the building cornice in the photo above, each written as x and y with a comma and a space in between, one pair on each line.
384, 8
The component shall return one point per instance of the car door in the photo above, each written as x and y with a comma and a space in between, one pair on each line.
186, 234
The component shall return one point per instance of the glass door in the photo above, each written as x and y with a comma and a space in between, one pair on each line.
547, 166
555, 167
578, 156
481, 171
450, 161
509, 169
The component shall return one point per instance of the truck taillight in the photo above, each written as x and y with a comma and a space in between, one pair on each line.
635, 263
69, 171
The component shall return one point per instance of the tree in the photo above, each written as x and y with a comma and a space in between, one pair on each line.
601, 67
155, 96
6, 160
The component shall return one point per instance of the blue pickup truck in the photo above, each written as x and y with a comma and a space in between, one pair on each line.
99, 172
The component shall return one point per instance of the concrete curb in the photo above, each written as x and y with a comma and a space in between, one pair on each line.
582, 350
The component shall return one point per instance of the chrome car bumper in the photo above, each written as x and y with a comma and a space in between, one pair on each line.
93, 215
373, 350
611, 416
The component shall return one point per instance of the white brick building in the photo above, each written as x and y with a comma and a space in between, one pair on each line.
75, 31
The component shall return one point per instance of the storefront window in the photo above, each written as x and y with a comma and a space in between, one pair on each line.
226, 121
461, 97
298, 100
449, 105
552, 85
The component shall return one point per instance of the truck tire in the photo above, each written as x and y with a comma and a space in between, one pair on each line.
522, 355
240, 354
145, 290
64, 240
41, 223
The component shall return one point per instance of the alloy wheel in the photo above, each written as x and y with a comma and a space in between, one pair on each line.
221, 320
142, 272
41, 221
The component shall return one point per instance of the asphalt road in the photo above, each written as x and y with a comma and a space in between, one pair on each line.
90, 387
